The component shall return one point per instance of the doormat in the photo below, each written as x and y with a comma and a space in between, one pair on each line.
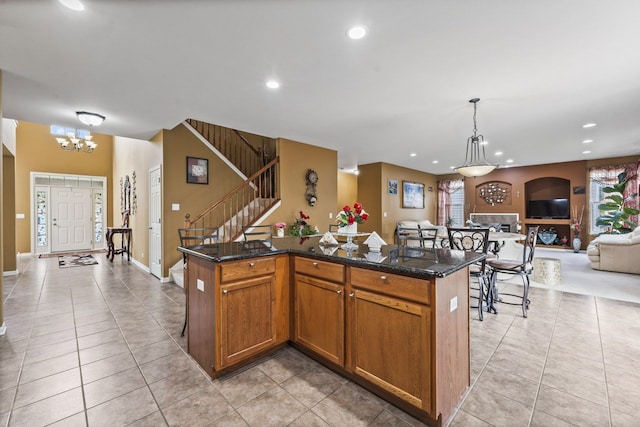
59, 254
78, 260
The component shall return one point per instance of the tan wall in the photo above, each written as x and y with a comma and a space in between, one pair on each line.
134, 155
179, 143
295, 159
38, 151
373, 187
347, 189
8, 212
2, 189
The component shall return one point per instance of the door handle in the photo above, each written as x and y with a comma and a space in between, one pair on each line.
55, 221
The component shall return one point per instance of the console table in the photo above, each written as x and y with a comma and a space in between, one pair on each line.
125, 232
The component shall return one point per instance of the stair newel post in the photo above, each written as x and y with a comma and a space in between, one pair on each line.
187, 220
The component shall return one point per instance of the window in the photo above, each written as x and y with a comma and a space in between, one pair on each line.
451, 202
604, 176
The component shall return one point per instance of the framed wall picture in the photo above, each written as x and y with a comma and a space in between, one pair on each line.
197, 170
412, 195
392, 186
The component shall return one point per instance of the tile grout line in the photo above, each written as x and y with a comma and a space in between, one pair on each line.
604, 364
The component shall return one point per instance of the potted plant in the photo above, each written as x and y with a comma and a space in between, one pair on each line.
617, 213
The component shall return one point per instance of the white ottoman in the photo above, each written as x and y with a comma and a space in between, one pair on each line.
547, 271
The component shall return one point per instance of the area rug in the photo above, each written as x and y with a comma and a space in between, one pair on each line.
78, 260
59, 254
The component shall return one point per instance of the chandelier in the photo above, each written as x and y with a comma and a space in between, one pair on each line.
77, 141
474, 165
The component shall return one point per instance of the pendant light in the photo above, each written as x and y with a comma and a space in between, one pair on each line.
474, 165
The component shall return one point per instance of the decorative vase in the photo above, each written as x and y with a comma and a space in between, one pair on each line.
280, 232
349, 229
576, 244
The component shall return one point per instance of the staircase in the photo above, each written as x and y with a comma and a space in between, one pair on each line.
247, 204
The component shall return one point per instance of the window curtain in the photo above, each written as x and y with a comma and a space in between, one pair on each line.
608, 175
445, 189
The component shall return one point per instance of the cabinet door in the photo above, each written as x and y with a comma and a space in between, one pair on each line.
247, 319
389, 344
319, 317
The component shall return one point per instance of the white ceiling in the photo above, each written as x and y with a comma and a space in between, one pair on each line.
541, 68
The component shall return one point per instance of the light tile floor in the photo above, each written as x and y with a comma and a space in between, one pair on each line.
100, 345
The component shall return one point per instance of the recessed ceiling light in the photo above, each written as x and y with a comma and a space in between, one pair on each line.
587, 141
509, 160
498, 153
434, 162
412, 155
589, 125
586, 152
72, 4
273, 84
357, 32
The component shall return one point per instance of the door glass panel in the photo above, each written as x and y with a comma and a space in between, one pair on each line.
98, 216
41, 218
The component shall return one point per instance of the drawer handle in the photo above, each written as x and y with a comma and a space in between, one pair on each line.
315, 264
352, 294
251, 264
338, 292
383, 277
224, 291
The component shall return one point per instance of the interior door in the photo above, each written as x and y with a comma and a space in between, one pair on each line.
155, 226
71, 226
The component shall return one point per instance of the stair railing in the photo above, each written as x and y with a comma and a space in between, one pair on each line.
243, 205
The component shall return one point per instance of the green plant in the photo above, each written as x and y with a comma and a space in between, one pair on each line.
617, 216
301, 227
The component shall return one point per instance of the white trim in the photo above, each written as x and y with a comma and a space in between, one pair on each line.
10, 273
3, 329
215, 150
165, 280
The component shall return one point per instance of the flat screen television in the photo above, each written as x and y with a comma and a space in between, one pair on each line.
548, 209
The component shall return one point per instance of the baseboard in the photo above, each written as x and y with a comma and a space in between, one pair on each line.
3, 329
140, 265
10, 273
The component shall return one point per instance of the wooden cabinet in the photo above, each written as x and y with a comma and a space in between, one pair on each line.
246, 318
253, 308
319, 308
389, 338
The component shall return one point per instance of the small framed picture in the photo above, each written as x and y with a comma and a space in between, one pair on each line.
197, 170
393, 186
412, 195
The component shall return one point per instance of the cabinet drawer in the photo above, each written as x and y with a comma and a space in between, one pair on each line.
391, 284
248, 268
322, 269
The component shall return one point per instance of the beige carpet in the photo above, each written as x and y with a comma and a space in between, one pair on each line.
579, 278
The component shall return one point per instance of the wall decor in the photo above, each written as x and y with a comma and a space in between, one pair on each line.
579, 190
392, 187
134, 196
311, 178
412, 195
197, 170
494, 193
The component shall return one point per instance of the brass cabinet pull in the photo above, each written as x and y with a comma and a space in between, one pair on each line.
338, 291
224, 291
315, 264
383, 277
352, 294
251, 264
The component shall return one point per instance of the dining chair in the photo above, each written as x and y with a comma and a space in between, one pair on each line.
475, 240
258, 233
520, 267
194, 238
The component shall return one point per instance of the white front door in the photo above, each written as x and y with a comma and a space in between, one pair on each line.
71, 226
155, 226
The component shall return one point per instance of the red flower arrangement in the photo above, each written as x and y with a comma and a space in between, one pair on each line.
347, 216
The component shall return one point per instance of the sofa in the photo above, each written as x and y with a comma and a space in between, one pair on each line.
616, 252
422, 224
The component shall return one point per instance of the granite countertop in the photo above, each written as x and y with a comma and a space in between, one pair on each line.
414, 261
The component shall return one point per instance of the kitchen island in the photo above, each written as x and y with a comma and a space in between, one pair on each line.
395, 321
